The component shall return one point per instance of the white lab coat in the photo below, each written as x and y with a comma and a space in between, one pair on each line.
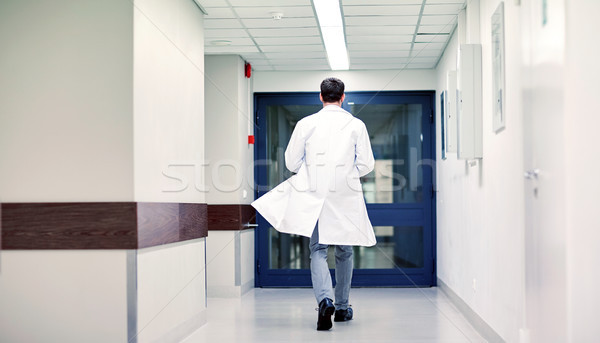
329, 151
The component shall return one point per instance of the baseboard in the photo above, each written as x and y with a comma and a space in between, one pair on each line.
222, 291
474, 319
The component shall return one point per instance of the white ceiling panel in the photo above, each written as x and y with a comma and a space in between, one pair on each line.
436, 28
373, 55
380, 30
234, 41
220, 13
439, 20
443, 9
382, 10
266, 12
222, 24
298, 31
288, 40
380, 39
445, 2
299, 61
379, 33
432, 46
282, 55
223, 33
381, 2
289, 48
229, 49
237, 3
370, 66
431, 38
303, 67
381, 20
379, 47
213, 3
283, 23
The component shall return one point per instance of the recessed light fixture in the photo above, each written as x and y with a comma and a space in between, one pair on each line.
221, 42
329, 16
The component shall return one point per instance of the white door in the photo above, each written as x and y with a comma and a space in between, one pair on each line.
543, 24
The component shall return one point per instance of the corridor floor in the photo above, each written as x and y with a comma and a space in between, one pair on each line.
416, 315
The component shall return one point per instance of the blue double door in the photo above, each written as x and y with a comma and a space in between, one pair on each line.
399, 192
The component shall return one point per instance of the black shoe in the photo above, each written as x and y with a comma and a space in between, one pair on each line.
326, 310
343, 315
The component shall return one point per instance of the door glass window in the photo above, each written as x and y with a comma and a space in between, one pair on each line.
397, 142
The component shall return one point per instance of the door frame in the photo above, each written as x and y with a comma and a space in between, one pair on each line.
408, 277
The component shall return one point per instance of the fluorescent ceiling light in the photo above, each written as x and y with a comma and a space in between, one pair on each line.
332, 30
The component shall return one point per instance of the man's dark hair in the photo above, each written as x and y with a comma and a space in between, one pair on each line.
332, 89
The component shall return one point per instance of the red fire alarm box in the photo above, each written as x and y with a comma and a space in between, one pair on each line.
251, 139
248, 70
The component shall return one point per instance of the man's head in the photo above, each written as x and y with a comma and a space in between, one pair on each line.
332, 90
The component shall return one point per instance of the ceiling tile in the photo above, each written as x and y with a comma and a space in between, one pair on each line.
220, 13
303, 67
279, 32
257, 62
439, 20
426, 45
428, 59
431, 38
212, 3
288, 40
388, 60
436, 28
381, 20
380, 39
381, 2
427, 52
265, 12
229, 49
299, 61
378, 66
262, 68
379, 47
380, 30
234, 41
283, 23
280, 55
445, 2
288, 48
236, 3
443, 9
381, 10
222, 24
224, 33
376, 54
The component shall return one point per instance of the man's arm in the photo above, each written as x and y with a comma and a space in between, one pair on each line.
294, 154
365, 162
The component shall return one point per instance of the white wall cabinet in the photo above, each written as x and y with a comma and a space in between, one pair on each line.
470, 135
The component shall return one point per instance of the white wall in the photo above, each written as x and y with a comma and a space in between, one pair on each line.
171, 294
480, 219
229, 121
354, 80
230, 263
66, 101
168, 101
583, 169
63, 296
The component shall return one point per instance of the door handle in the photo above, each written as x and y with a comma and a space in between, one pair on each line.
532, 174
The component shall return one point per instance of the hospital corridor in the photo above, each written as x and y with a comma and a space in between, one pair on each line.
410, 171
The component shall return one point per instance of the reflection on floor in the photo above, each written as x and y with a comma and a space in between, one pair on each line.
380, 315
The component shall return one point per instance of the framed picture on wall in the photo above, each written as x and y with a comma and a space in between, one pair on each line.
498, 96
443, 122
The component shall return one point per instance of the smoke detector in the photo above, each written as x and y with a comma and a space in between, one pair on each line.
276, 15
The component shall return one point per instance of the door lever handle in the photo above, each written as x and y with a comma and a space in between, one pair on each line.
532, 174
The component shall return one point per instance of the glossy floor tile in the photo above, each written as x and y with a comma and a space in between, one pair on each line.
419, 315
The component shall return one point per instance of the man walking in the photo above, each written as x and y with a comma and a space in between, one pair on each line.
329, 151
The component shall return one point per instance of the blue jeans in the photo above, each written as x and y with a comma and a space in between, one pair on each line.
321, 278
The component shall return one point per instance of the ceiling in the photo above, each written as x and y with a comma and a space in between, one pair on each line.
380, 34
